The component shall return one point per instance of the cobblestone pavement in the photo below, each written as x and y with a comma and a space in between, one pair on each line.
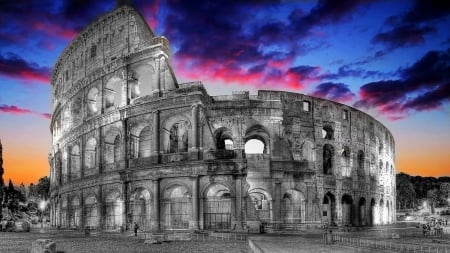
76, 242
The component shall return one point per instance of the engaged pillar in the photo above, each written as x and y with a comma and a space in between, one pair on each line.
155, 221
194, 219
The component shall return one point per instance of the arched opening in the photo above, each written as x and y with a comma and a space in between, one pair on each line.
347, 210
360, 160
372, 212
254, 146
293, 207
178, 138
328, 158
263, 205
76, 110
144, 142
93, 101
380, 167
328, 132
112, 146
113, 93
90, 156
373, 164
145, 81
308, 152
388, 212
256, 140
381, 212
224, 139
217, 207
177, 208
74, 216
64, 169
140, 208
329, 214
75, 162
362, 220
66, 119
114, 209
91, 211
63, 221
345, 161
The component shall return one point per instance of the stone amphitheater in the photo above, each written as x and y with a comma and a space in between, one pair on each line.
132, 145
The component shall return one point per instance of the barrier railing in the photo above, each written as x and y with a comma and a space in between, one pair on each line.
383, 244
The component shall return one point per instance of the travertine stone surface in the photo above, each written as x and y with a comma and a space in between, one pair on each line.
131, 145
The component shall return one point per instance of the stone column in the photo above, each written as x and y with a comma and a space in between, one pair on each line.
125, 139
155, 138
125, 198
194, 145
156, 92
82, 167
277, 203
155, 221
237, 222
82, 222
195, 205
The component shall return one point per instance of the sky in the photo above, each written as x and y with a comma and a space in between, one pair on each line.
390, 59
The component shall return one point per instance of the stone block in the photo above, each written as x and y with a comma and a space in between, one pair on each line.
43, 246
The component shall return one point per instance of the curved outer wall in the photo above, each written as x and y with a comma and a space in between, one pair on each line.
130, 144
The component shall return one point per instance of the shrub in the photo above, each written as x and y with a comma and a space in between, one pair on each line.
26, 226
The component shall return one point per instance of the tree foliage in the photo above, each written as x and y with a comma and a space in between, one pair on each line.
43, 188
406, 195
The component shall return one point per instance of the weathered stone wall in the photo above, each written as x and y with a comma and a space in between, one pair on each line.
131, 145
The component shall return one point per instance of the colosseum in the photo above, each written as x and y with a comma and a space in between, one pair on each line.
131, 144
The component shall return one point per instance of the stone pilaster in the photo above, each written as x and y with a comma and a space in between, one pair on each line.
155, 138
155, 219
195, 205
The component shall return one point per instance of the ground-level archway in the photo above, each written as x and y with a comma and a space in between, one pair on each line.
140, 208
362, 219
372, 212
293, 207
217, 208
177, 207
329, 214
114, 211
91, 211
347, 210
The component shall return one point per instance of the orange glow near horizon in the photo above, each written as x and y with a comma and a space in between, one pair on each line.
24, 168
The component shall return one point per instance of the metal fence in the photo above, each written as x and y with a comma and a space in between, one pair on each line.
384, 244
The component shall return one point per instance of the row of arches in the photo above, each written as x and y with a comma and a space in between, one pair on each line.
356, 213
347, 163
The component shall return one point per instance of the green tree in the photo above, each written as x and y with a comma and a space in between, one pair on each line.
43, 188
406, 195
436, 198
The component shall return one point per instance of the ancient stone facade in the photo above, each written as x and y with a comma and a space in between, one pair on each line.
131, 144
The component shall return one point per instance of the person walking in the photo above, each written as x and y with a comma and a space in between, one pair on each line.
136, 227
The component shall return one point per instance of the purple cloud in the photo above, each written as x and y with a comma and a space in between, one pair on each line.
334, 91
422, 86
12, 66
411, 28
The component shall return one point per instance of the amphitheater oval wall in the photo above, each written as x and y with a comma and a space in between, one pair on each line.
130, 145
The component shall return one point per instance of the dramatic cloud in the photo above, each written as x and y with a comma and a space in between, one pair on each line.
219, 48
423, 86
12, 109
347, 71
411, 28
334, 91
12, 66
